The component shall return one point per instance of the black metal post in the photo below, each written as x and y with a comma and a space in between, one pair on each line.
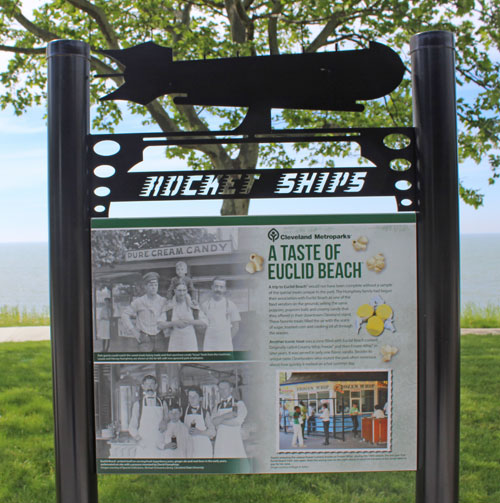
69, 241
434, 109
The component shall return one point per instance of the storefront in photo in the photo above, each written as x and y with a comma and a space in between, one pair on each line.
196, 257
351, 399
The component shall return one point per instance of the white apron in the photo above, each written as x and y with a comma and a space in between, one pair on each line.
228, 442
202, 446
183, 439
218, 333
103, 324
182, 339
103, 329
149, 424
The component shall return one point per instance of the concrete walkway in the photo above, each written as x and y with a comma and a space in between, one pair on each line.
480, 331
20, 334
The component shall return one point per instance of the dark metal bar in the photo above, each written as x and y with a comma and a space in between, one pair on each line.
434, 108
69, 241
306, 134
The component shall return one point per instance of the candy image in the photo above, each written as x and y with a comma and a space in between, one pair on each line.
377, 315
375, 326
365, 311
384, 311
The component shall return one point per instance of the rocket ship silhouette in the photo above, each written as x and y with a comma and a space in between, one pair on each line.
318, 81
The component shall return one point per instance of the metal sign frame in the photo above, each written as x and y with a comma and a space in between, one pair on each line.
434, 198
381, 180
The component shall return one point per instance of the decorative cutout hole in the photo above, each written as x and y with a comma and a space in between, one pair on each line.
100, 208
396, 141
402, 185
400, 164
104, 171
158, 159
102, 191
406, 202
107, 147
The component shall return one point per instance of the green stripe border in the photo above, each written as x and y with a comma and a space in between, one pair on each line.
132, 223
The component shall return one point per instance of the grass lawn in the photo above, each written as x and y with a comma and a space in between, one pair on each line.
27, 463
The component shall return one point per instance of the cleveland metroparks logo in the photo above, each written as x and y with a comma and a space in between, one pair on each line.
273, 234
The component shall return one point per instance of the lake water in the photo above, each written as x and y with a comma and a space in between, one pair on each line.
25, 279
480, 268
24, 273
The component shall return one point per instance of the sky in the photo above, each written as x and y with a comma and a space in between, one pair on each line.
23, 189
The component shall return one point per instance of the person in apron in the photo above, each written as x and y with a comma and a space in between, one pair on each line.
148, 418
200, 425
228, 418
176, 442
223, 319
103, 324
182, 317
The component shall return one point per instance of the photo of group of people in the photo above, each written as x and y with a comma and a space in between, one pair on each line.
161, 294
345, 410
190, 293
173, 410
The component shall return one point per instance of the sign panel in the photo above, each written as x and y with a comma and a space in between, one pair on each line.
293, 350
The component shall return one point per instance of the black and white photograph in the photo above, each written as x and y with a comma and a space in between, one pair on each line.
338, 410
175, 410
171, 290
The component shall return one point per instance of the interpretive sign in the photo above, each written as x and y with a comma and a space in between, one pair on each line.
293, 349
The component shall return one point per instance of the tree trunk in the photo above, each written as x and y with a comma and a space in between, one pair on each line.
235, 207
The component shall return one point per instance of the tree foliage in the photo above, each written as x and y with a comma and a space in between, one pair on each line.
220, 28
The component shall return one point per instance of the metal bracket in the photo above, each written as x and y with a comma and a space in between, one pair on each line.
382, 180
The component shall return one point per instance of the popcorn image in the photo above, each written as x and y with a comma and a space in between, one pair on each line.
257, 260
388, 352
256, 263
360, 244
250, 268
376, 263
